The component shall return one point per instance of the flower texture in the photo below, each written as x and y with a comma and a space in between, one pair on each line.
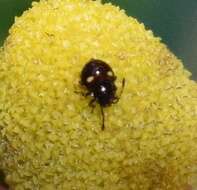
50, 139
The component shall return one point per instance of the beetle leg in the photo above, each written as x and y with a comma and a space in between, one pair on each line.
115, 100
103, 118
92, 104
83, 94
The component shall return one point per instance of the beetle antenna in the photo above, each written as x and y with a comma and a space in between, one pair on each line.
103, 118
123, 85
116, 100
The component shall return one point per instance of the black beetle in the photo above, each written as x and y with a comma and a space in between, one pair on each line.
99, 79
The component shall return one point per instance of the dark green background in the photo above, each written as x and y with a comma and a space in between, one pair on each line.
175, 21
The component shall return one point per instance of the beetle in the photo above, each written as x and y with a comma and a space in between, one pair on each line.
99, 79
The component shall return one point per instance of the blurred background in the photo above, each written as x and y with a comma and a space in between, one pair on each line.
175, 21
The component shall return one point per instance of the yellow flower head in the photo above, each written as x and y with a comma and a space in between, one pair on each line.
50, 139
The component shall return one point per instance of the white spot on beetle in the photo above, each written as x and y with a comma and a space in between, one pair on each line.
89, 79
97, 72
109, 73
103, 89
